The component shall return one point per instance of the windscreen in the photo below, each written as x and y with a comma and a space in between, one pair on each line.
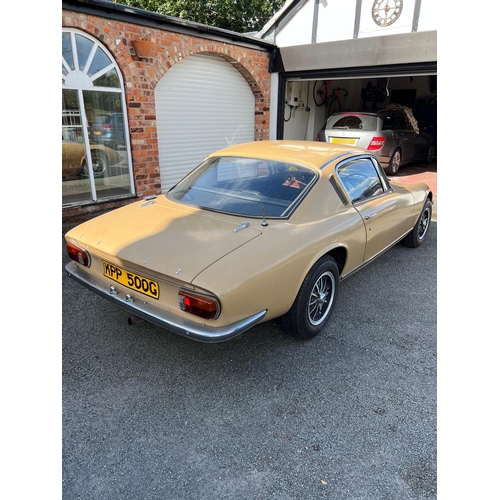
353, 121
245, 186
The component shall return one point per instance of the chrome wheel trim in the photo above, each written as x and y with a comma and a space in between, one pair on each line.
396, 161
423, 223
321, 298
98, 165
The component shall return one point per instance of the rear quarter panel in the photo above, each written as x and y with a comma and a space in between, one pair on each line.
420, 193
267, 272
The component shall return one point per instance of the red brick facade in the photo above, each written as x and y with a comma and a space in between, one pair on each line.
142, 75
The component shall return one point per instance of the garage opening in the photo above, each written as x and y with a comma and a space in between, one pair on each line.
309, 102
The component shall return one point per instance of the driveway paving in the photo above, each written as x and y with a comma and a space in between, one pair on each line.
350, 414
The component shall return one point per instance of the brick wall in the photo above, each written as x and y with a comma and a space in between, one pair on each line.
141, 77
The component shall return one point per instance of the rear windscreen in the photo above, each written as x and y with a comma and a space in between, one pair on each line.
354, 121
102, 119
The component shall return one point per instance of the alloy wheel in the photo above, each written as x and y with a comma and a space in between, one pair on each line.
321, 298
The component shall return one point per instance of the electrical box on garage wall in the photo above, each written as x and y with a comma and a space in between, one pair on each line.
294, 93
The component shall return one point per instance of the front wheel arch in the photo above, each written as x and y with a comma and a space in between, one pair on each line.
419, 232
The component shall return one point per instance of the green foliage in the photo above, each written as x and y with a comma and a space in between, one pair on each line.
241, 16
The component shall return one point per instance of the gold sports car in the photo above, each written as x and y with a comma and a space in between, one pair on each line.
74, 161
258, 231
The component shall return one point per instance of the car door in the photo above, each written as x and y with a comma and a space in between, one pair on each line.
386, 213
407, 137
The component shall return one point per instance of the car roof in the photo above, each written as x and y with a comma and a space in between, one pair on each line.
312, 153
354, 112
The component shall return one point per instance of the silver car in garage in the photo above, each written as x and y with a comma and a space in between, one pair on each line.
392, 134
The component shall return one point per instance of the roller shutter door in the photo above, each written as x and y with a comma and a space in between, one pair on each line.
202, 104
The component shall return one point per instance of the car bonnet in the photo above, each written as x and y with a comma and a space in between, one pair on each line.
164, 237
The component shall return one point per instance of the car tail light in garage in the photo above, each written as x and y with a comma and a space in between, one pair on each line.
376, 143
78, 254
200, 305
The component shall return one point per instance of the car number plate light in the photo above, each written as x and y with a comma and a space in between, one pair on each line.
130, 280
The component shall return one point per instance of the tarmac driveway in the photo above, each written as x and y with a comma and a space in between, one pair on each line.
348, 415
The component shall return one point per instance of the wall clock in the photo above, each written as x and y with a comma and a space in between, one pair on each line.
386, 12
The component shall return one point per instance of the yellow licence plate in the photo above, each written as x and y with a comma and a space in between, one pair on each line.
97, 132
342, 140
131, 280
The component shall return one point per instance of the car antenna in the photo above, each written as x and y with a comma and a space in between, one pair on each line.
264, 221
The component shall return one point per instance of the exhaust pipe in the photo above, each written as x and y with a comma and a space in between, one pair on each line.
132, 320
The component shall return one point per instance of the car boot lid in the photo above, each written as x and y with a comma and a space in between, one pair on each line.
165, 237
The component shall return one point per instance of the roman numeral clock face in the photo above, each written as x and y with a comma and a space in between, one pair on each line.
386, 12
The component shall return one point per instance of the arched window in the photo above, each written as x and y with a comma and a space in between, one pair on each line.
94, 123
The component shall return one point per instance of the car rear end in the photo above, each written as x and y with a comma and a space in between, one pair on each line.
363, 130
108, 129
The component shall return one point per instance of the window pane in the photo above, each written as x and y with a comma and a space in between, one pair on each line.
245, 186
360, 180
110, 79
66, 50
107, 141
74, 187
100, 61
352, 121
83, 48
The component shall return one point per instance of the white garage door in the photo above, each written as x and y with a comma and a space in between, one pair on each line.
202, 104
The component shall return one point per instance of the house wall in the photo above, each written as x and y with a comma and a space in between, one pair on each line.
334, 20
141, 77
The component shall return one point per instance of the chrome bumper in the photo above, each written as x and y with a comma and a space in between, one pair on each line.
158, 316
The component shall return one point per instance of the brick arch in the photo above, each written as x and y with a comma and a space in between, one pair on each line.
241, 64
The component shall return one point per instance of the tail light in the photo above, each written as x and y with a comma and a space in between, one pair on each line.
376, 143
78, 254
107, 127
204, 306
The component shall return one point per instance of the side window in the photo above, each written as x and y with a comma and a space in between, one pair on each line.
405, 123
390, 123
360, 179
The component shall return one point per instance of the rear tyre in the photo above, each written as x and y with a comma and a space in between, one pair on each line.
394, 163
417, 235
315, 301
100, 163
429, 155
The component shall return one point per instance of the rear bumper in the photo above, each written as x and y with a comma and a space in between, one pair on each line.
160, 317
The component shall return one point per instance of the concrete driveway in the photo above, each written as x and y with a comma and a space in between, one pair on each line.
415, 173
349, 415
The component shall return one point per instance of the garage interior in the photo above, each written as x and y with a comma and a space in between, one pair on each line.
305, 110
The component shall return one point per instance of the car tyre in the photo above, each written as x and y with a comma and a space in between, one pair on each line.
100, 163
394, 163
430, 153
315, 301
417, 235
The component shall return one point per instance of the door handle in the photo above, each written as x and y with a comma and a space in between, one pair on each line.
370, 216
